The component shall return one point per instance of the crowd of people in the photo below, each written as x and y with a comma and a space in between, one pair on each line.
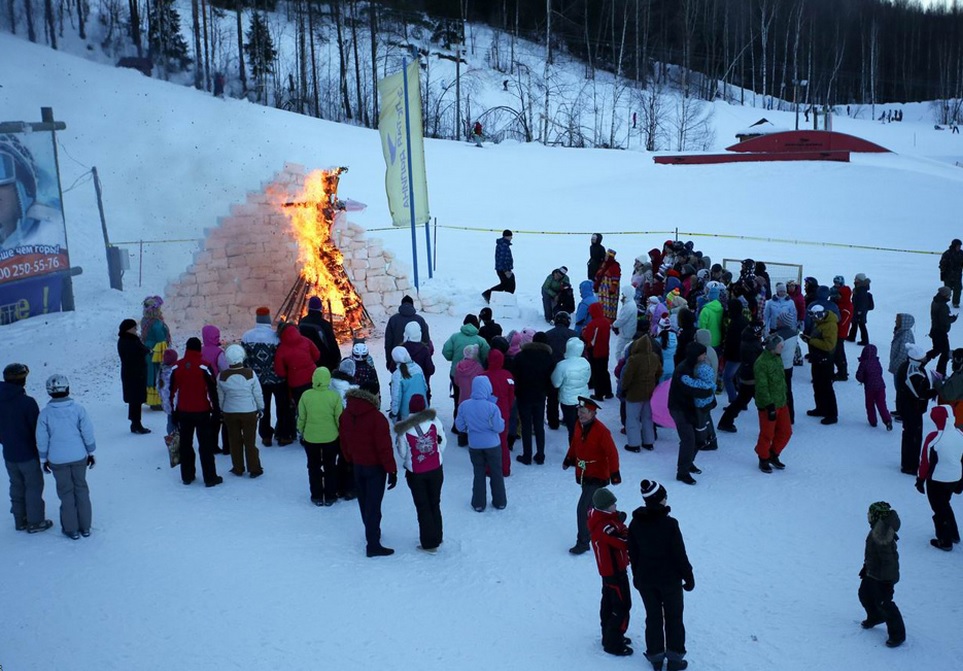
664, 344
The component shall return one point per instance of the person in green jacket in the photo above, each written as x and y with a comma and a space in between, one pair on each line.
710, 317
319, 411
553, 284
454, 348
775, 429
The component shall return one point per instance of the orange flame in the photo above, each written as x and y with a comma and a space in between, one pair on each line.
312, 214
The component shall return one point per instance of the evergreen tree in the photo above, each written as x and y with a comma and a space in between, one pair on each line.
168, 47
260, 47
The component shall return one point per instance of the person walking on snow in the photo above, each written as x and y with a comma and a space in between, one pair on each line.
951, 270
610, 542
504, 266
880, 573
775, 429
596, 462
660, 572
941, 473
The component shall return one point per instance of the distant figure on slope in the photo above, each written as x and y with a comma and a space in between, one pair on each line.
476, 133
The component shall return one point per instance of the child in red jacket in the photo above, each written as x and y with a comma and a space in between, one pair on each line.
610, 542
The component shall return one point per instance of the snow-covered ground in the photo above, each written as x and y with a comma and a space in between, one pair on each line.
251, 575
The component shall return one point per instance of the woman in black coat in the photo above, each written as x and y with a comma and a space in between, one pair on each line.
133, 372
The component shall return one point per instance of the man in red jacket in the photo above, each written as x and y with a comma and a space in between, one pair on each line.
610, 541
366, 444
596, 462
193, 391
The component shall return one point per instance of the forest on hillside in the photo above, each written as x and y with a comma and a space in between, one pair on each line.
810, 52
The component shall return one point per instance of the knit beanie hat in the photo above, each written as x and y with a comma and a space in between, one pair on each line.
470, 352
125, 326
193, 344
944, 291
417, 403
772, 342
563, 270
262, 315
234, 354
780, 288
407, 299
170, 357
16, 373
314, 303
506, 233
603, 499
878, 510
652, 492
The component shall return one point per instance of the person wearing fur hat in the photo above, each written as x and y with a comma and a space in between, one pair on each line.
592, 451
406, 381
532, 371
157, 337
133, 372
596, 256
822, 345
193, 394
365, 439
869, 373
880, 573
660, 572
242, 403
914, 390
551, 288
951, 269
18, 434
319, 331
504, 266
775, 429
610, 542
66, 446
940, 322
260, 347
940, 475
396, 331
419, 444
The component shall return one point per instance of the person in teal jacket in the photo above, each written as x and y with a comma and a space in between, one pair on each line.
710, 317
319, 411
454, 348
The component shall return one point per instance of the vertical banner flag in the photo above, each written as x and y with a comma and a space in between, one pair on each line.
33, 236
394, 143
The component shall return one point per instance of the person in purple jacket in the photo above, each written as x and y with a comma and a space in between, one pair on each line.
870, 375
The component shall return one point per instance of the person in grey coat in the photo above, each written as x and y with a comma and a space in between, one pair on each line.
65, 444
18, 434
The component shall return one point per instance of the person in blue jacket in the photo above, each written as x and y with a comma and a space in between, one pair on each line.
18, 433
504, 266
480, 418
65, 443
587, 291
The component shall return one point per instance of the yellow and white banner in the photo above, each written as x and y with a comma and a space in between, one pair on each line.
401, 183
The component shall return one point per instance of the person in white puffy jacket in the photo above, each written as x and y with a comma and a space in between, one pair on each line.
571, 378
241, 401
419, 443
66, 445
625, 322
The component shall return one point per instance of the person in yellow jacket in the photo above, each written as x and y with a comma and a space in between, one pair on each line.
822, 345
319, 411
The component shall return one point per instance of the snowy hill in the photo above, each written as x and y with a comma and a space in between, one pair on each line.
251, 575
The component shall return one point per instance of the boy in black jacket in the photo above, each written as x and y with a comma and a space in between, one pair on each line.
660, 570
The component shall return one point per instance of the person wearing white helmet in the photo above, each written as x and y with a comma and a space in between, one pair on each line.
66, 445
241, 401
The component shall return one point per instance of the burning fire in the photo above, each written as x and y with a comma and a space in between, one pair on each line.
312, 214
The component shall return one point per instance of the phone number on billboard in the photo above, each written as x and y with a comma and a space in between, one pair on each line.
32, 268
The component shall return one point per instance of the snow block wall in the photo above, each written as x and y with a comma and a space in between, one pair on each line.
250, 259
